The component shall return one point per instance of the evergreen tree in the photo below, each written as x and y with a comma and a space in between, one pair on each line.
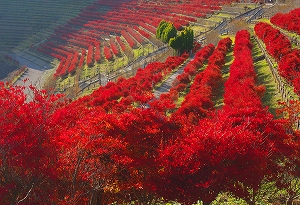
184, 41
169, 32
160, 29
189, 38
165, 31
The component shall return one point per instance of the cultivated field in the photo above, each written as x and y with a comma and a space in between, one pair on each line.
26, 23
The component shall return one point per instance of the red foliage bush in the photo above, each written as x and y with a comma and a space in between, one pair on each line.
114, 47
280, 48
90, 56
198, 102
120, 42
276, 43
107, 53
289, 21
97, 54
240, 88
82, 57
129, 39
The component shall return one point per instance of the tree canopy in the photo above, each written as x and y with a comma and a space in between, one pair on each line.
168, 34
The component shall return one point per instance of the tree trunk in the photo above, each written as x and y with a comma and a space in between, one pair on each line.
97, 197
289, 201
250, 202
206, 202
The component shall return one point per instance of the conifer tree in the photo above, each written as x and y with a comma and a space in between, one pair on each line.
165, 31
184, 41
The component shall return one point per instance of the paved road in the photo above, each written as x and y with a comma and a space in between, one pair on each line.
36, 69
166, 86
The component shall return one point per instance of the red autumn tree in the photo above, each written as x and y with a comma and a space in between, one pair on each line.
28, 156
97, 53
198, 102
90, 56
145, 132
107, 53
92, 155
277, 44
233, 150
220, 155
289, 21
288, 176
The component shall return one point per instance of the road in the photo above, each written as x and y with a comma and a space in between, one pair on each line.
166, 86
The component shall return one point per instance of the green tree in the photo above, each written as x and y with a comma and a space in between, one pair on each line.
162, 25
175, 42
184, 41
165, 31
189, 38
169, 32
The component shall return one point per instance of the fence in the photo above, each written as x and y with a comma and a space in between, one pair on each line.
101, 79
281, 83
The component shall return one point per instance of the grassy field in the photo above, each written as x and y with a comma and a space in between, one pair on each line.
219, 97
264, 77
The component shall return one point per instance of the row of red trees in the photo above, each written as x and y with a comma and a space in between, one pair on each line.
166, 100
132, 43
90, 56
142, 32
67, 65
289, 21
199, 101
114, 47
116, 97
107, 53
232, 150
279, 47
262, 139
136, 36
121, 43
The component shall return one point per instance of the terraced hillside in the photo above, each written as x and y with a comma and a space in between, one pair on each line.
25, 23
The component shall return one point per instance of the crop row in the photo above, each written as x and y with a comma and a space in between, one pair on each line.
289, 21
280, 48
135, 89
166, 100
199, 101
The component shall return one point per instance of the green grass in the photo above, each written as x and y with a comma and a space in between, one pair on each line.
265, 20
224, 15
86, 92
265, 77
219, 97
199, 29
143, 50
216, 19
181, 98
